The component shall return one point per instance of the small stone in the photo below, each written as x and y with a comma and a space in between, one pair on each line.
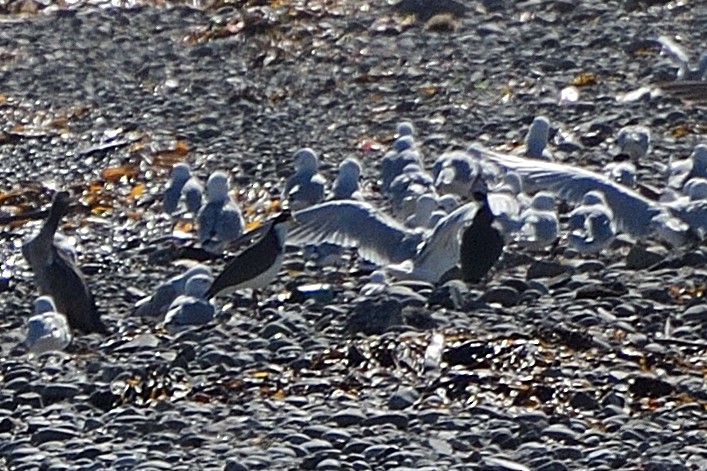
54, 434
403, 398
640, 258
545, 269
503, 295
348, 417
650, 386
584, 400
375, 316
696, 313
59, 392
561, 433
398, 420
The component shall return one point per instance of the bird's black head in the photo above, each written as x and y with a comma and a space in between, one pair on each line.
479, 190
284, 216
61, 202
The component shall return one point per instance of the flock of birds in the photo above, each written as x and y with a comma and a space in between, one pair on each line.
451, 222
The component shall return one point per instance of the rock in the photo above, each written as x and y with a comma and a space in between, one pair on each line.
650, 386
403, 398
374, 316
696, 313
640, 258
545, 269
504, 295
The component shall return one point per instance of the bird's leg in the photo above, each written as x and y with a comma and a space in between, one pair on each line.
255, 300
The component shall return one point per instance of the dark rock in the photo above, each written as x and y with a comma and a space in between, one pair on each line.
545, 269
375, 316
650, 386
640, 258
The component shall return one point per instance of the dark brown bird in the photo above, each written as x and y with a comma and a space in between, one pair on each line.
481, 244
56, 274
259, 264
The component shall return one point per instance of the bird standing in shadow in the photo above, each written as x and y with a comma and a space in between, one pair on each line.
57, 276
258, 265
481, 243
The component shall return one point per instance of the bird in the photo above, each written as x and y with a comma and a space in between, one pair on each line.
539, 226
454, 173
57, 276
591, 225
346, 185
173, 190
634, 214
47, 330
219, 221
695, 188
425, 205
182, 184
192, 307
407, 187
536, 139
159, 302
404, 152
306, 186
623, 172
193, 193
634, 141
377, 236
258, 265
405, 253
481, 242
683, 170
404, 128
679, 57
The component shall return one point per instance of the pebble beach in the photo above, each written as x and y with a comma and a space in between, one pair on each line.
556, 362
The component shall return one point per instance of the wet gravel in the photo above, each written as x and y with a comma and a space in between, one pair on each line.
557, 363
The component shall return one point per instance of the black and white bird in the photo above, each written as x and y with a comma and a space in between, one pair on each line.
258, 265
57, 276
481, 242
405, 253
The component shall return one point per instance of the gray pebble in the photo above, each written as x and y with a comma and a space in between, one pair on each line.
403, 398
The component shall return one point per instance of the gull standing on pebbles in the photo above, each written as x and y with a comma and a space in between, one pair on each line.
346, 186
306, 186
591, 225
220, 221
454, 172
539, 226
47, 330
173, 190
634, 141
182, 184
694, 166
536, 139
622, 172
167, 292
192, 307
403, 153
425, 205
407, 187
57, 276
